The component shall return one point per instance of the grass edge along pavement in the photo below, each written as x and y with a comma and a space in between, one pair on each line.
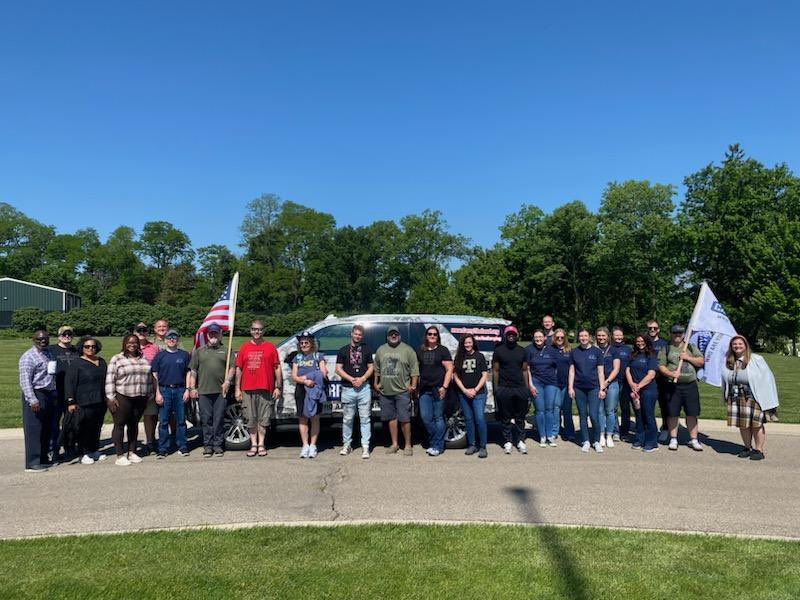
401, 561
785, 368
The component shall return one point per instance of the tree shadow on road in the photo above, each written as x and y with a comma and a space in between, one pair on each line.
569, 578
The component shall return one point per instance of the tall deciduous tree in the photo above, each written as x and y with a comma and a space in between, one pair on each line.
164, 244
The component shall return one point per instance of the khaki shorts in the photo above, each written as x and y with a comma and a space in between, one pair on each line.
258, 408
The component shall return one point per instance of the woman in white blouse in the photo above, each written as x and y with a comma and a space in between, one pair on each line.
748, 388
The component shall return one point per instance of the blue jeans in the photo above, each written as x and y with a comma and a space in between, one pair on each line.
173, 403
545, 403
431, 409
356, 399
565, 403
624, 409
646, 427
588, 406
608, 408
474, 417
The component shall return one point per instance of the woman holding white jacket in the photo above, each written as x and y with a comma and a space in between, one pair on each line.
748, 388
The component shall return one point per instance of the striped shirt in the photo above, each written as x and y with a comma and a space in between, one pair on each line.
129, 376
33, 374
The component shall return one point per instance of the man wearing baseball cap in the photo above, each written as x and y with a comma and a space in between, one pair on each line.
396, 374
509, 374
209, 384
171, 371
64, 353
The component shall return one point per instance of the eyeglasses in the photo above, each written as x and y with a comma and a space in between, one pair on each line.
656, 328
394, 334
256, 329
42, 339
89, 347
172, 339
432, 334
142, 330
66, 334
304, 342
559, 337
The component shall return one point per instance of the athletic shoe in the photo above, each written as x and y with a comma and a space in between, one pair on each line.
610, 442
653, 449
602, 440
598, 448
364, 451
542, 442
585, 447
470, 451
161, 454
508, 447
219, 452
522, 447
694, 444
552, 442
482, 453
134, 458
616, 437
99, 456
208, 453
408, 451
183, 452
663, 437
428, 450
392, 449
433, 452
745, 453
304, 451
756, 455
345, 450
312, 451
673, 444
37, 469
122, 461
87, 460
636, 446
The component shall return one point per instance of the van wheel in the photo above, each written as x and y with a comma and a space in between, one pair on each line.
237, 436
455, 430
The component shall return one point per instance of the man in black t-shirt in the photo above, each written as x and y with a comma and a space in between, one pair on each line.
354, 366
64, 353
511, 393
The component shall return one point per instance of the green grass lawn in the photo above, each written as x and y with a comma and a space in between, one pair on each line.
786, 369
400, 561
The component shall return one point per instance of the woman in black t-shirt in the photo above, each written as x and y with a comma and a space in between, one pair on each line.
435, 371
84, 392
471, 373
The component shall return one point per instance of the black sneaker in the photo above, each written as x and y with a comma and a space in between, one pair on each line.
37, 468
219, 452
471, 450
756, 455
160, 454
183, 452
482, 453
745, 453
208, 453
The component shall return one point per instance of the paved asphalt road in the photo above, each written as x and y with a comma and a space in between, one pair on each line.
712, 491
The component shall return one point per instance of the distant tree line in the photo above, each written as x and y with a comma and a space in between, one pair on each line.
639, 256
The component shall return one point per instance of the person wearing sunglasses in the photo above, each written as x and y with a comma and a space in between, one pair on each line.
396, 375
37, 370
435, 373
64, 353
657, 343
563, 399
84, 390
510, 382
150, 418
259, 381
309, 372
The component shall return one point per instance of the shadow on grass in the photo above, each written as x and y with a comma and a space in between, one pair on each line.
570, 579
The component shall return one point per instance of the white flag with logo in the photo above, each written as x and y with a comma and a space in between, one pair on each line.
710, 330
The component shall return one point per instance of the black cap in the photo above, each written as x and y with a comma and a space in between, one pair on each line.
306, 334
677, 329
213, 328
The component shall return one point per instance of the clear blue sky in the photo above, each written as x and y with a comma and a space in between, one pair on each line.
122, 112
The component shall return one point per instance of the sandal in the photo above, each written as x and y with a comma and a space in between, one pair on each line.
262, 451
252, 452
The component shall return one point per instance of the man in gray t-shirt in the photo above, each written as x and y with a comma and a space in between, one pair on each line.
396, 374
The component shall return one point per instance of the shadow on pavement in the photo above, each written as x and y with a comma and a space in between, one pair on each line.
572, 583
720, 446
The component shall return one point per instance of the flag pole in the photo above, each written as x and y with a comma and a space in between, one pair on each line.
234, 298
692, 319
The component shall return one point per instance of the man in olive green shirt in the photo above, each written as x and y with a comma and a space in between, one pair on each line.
681, 385
209, 384
396, 374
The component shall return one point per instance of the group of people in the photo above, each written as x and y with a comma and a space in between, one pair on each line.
67, 389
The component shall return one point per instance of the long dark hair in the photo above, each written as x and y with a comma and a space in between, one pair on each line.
461, 352
131, 336
424, 345
648, 347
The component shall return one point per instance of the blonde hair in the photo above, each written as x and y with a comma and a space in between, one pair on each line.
566, 346
730, 357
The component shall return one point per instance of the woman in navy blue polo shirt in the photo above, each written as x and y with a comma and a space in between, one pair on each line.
563, 399
586, 383
541, 359
611, 371
640, 375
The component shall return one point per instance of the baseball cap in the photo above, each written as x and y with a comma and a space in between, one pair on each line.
172, 333
213, 328
677, 329
305, 334
65, 329
510, 329
392, 329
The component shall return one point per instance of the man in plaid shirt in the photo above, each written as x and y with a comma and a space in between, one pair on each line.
37, 369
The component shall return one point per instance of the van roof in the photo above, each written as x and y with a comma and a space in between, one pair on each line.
419, 318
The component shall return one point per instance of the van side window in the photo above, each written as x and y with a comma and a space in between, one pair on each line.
333, 337
375, 333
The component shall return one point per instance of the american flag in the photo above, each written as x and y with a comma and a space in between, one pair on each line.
220, 314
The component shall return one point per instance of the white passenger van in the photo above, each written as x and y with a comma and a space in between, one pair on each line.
334, 332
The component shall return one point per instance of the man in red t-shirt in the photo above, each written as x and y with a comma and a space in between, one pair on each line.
259, 380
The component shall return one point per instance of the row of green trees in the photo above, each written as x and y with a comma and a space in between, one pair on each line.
639, 256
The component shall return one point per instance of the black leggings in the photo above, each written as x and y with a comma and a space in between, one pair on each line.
89, 428
128, 414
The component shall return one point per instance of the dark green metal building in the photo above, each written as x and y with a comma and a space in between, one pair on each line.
16, 294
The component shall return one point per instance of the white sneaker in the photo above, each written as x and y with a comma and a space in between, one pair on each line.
673, 444
695, 444
598, 448
522, 447
610, 442
433, 452
616, 437
99, 457
304, 451
364, 451
87, 460
134, 458
663, 437
345, 450
312, 451
585, 447
551, 442
508, 447
602, 439
542, 442
122, 461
